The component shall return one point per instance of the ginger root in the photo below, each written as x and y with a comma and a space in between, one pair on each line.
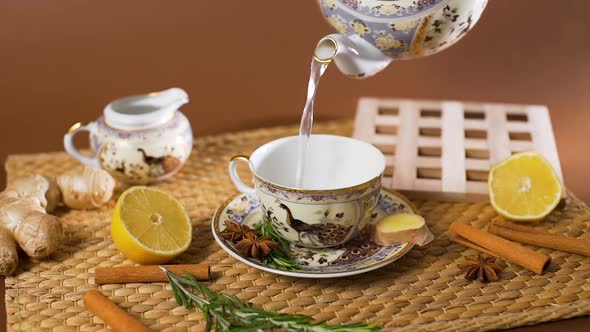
401, 228
86, 188
8, 254
24, 219
26, 202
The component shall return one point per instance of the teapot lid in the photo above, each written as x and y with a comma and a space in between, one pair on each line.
144, 111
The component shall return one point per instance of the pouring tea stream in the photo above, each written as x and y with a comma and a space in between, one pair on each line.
373, 33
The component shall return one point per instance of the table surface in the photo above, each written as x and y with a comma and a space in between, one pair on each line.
396, 296
61, 63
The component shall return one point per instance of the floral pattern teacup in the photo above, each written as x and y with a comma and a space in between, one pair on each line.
342, 185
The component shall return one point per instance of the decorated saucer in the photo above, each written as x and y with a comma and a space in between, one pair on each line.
356, 256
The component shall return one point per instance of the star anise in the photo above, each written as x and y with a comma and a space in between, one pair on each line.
481, 267
235, 232
256, 246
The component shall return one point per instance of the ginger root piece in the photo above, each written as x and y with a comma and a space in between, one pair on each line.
8, 254
53, 196
401, 228
36, 187
86, 188
23, 216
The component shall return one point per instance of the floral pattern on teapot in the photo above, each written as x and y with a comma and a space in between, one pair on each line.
404, 29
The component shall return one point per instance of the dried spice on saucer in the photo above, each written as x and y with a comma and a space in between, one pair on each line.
235, 232
481, 267
256, 246
261, 242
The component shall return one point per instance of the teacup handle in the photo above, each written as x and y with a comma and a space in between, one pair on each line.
71, 148
235, 177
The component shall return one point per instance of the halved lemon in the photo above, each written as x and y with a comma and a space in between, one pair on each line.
149, 226
524, 187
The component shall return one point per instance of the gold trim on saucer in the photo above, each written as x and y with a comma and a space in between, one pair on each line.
255, 263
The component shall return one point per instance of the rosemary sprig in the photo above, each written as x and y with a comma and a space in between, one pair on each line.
280, 257
229, 313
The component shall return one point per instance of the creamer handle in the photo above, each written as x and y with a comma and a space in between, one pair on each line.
71, 148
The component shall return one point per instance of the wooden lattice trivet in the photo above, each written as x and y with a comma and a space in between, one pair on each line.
423, 291
444, 149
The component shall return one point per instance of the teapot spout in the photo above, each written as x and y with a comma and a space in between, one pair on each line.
354, 56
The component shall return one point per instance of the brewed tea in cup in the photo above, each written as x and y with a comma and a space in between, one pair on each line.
337, 197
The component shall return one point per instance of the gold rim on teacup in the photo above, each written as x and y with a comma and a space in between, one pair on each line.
363, 185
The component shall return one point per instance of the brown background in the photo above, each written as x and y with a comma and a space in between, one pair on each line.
245, 65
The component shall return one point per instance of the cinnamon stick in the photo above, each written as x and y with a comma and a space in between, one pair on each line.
507, 250
539, 238
115, 317
147, 273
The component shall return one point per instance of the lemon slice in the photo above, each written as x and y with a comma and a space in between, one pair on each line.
149, 226
524, 187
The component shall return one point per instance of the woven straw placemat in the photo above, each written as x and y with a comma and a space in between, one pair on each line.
422, 291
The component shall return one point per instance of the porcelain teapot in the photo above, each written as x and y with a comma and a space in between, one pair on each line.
372, 33
139, 139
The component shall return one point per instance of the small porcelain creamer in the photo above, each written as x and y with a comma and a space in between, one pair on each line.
139, 139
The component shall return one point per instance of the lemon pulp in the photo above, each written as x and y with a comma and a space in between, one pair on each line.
149, 226
524, 187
